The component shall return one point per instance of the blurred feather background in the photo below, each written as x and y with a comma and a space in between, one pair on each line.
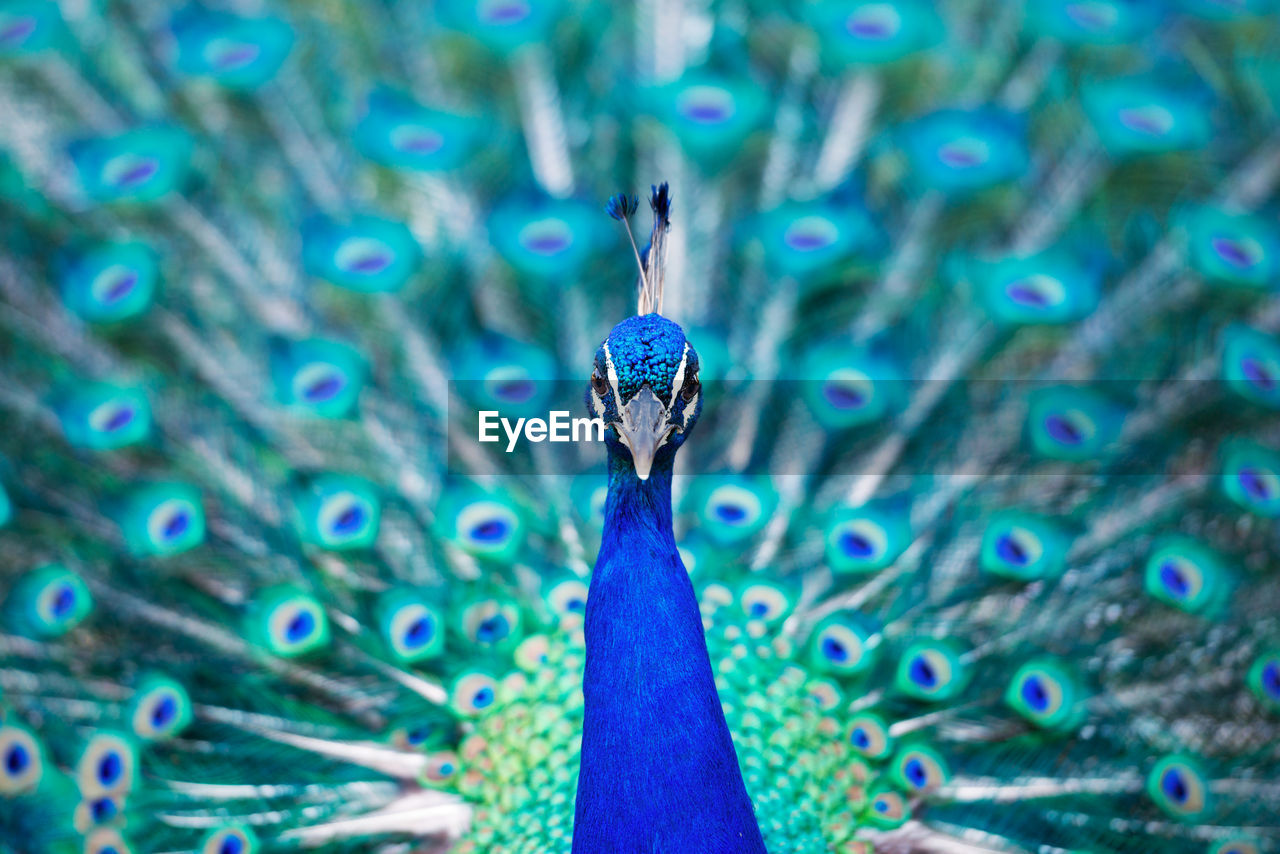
982, 510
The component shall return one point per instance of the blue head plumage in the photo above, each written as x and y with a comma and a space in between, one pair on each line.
644, 384
645, 387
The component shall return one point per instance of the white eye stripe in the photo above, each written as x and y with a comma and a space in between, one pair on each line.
597, 404
612, 374
690, 407
679, 380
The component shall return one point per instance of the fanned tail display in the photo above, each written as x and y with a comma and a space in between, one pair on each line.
977, 308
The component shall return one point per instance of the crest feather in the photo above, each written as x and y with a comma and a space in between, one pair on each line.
653, 282
652, 263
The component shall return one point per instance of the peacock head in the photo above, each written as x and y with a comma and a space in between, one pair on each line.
645, 388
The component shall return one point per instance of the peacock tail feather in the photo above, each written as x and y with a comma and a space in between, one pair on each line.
981, 516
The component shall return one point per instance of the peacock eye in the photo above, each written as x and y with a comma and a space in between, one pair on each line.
689, 389
598, 384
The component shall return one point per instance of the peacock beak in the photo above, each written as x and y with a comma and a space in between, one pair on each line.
644, 428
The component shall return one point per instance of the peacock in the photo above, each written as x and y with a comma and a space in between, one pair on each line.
973, 304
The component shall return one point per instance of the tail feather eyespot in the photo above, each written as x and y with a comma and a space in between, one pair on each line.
288, 622
109, 282
932, 671
365, 254
412, 629
474, 694
237, 53
161, 519
964, 151
106, 840
137, 166
402, 134
918, 768
1251, 365
337, 512
842, 645
1230, 249
710, 113
733, 509
887, 808
1264, 678
765, 601
1178, 786
234, 839
1251, 477
1023, 547
21, 760
1046, 694
1145, 115
440, 769
106, 765
48, 602
867, 538
546, 238
316, 377
1187, 575
1235, 844
160, 709
1073, 424
873, 32
868, 734
491, 623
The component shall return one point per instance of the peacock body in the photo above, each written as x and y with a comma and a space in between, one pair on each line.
975, 546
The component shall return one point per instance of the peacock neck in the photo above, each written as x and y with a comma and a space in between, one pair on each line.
638, 512
659, 772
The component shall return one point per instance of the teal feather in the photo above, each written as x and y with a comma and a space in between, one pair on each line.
981, 511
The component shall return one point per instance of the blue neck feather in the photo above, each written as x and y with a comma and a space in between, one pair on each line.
659, 773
